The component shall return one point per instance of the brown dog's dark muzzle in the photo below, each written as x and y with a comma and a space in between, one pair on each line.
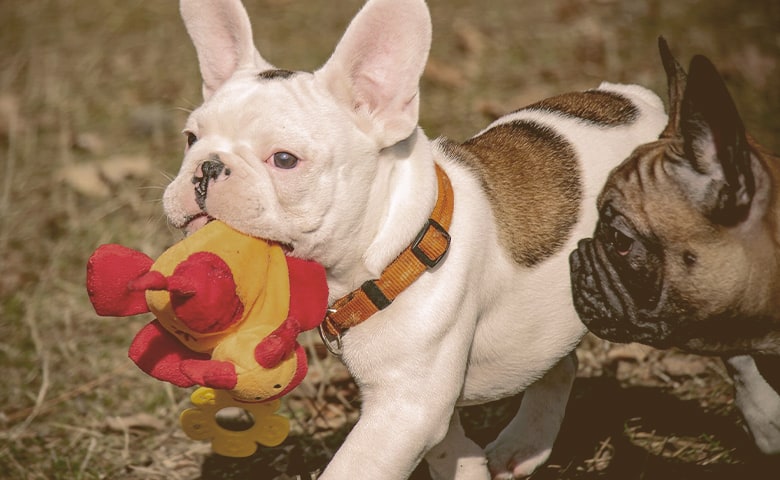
597, 302
604, 304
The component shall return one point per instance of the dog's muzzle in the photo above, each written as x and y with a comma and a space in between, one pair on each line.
596, 300
605, 305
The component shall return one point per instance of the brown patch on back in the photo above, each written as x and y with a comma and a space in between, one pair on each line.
595, 106
531, 176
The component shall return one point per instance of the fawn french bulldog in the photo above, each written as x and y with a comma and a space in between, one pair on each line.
686, 250
446, 263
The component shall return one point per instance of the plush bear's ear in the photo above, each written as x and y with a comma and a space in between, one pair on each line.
222, 35
376, 67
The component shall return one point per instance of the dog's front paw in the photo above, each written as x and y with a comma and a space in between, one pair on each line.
509, 461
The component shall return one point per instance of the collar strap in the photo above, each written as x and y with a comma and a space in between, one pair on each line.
427, 250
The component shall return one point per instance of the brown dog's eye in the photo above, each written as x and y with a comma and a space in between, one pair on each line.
621, 242
285, 160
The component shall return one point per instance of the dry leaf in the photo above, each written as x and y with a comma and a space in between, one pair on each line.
142, 421
118, 168
443, 74
683, 366
90, 142
85, 178
631, 351
10, 120
470, 39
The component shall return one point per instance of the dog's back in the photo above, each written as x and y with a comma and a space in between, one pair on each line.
541, 165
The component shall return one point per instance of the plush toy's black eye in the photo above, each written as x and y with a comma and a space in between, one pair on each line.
191, 138
621, 242
285, 160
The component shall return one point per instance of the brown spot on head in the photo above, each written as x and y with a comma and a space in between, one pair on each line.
531, 176
595, 106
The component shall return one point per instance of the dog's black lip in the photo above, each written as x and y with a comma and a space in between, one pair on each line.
613, 320
191, 218
286, 247
597, 307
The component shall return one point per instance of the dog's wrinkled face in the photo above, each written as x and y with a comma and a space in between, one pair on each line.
682, 249
260, 163
294, 157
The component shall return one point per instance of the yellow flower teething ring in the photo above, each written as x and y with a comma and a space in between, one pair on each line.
200, 423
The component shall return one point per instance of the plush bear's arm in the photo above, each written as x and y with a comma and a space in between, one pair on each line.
211, 373
160, 355
308, 293
111, 270
308, 301
278, 345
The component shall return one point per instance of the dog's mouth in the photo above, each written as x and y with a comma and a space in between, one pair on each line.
606, 306
193, 223
286, 247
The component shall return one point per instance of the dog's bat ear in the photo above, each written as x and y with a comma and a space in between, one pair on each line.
675, 81
222, 35
377, 65
714, 141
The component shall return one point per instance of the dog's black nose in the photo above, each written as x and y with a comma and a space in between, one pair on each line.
210, 170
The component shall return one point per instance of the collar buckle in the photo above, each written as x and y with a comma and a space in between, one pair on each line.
416, 248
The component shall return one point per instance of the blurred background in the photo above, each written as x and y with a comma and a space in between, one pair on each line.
93, 95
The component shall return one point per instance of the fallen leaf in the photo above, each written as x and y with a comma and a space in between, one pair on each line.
90, 142
118, 168
142, 421
10, 120
630, 351
683, 365
84, 178
444, 74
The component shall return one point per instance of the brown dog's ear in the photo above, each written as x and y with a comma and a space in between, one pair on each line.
715, 143
675, 81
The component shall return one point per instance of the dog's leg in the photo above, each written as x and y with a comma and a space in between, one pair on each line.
388, 441
758, 402
409, 387
457, 457
527, 441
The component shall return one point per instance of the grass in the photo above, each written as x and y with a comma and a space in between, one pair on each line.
92, 96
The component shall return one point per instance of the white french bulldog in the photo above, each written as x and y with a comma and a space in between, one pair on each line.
333, 165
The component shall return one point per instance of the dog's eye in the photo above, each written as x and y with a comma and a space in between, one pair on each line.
621, 242
191, 139
285, 160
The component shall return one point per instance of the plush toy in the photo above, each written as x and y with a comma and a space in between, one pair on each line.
228, 308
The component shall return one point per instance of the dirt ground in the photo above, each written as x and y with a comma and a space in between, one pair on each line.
93, 95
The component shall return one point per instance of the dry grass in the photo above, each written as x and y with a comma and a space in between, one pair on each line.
92, 95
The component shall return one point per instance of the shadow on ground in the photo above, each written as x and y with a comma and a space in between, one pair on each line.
611, 431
